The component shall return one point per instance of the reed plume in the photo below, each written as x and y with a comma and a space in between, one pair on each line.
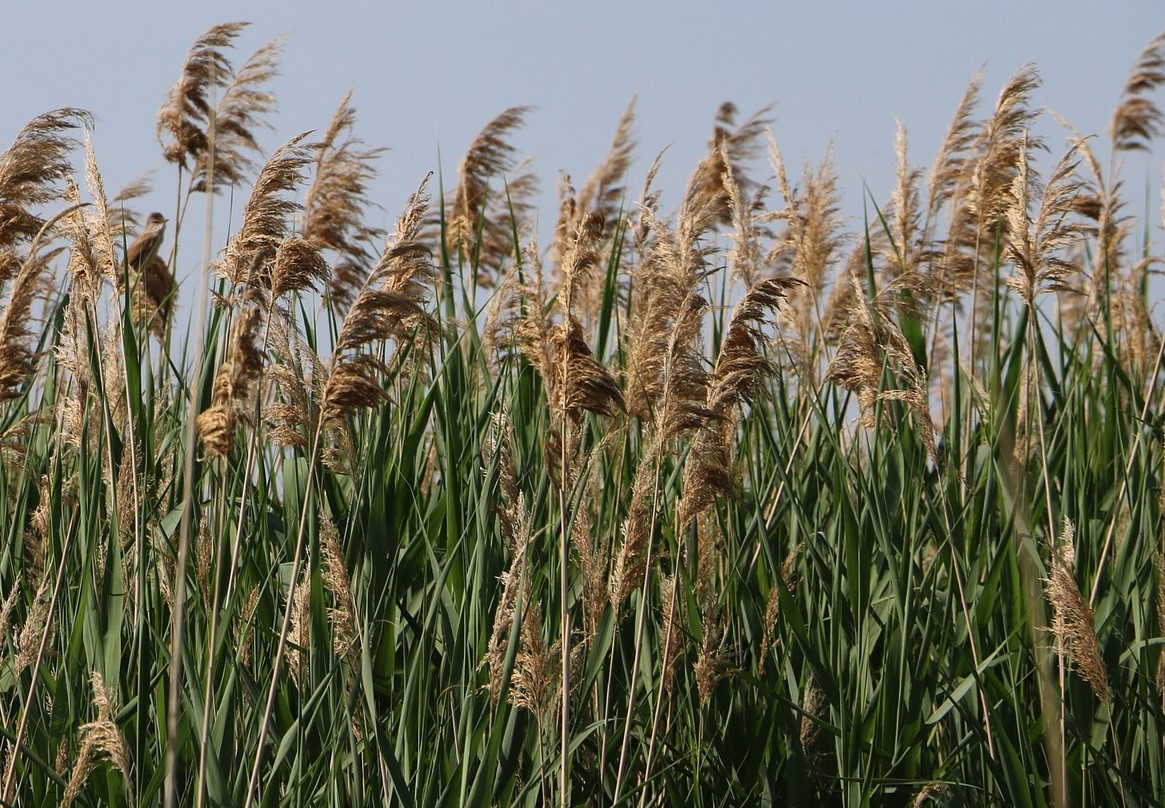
730, 147
950, 164
1040, 247
337, 582
252, 261
480, 240
237, 118
603, 193
334, 203
390, 304
251, 252
983, 193
741, 369
18, 353
1072, 618
870, 346
100, 736
196, 135
235, 380
31, 171
1137, 119
806, 249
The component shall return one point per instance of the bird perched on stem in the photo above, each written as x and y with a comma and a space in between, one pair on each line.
146, 246
152, 282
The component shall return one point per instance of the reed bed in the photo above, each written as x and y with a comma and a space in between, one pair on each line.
729, 505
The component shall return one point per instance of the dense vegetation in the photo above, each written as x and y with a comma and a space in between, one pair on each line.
797, 516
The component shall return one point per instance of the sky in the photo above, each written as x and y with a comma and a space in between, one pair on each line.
427, 76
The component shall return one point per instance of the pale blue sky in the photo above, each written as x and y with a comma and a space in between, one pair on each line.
427, 76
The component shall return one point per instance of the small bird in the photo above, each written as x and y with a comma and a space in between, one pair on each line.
146, 246
153, 284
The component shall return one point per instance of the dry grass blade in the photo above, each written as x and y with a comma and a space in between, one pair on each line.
238, 115
1137, 120
333, 204
186, 115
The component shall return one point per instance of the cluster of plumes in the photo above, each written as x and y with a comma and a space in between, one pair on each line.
216, 140
980, 190
390, 305
262, 262
482, 219
600, 209
667, 381
576, 382
1073, 623
874, 361
741, 368
316, 395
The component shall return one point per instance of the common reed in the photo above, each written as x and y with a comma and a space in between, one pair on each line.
744, 502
